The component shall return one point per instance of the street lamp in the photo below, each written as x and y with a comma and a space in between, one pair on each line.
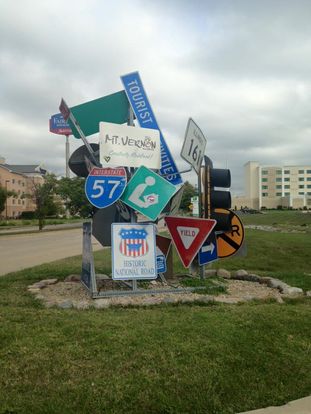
6, 200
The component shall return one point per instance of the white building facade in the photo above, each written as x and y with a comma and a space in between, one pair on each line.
269, 186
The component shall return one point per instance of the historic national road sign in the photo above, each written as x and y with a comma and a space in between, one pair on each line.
104, 186
229, 243
208, 251
133, 251
148, 193
129, 146
188, 235
194, 145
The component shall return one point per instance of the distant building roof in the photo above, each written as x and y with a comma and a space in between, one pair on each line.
25, 169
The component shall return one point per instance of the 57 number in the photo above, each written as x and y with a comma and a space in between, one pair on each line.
99, 187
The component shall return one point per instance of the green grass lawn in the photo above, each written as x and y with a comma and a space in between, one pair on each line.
163, 359
34, 222
284, 219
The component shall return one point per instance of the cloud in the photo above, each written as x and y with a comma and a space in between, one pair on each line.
240, 69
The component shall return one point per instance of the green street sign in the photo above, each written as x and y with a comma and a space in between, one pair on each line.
111, 108
148, 193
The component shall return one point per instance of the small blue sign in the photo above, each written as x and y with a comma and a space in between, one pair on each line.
59, 126
208, 252
104, 186
161, 262
146, 119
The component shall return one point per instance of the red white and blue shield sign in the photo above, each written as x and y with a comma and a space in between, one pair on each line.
133, 242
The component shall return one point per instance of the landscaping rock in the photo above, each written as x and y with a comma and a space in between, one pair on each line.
101, 303
33, 290
239, 274
292, 291
223, 273
49, 281
67, 304
308, 293
210, 272
73, 278
38, 285
264, 280
277, 284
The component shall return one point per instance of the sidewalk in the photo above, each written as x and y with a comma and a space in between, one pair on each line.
301, 406
35, 229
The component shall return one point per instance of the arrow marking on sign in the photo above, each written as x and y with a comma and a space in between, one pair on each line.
187, 235
208, 248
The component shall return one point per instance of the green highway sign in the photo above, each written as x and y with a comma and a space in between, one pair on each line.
111, 108
148, 193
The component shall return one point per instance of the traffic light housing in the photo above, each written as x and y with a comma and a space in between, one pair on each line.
216, 199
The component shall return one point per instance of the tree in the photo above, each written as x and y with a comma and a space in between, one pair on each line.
43, 196
189, 191
71, 191
4, 194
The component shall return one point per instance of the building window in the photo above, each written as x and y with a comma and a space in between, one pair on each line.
264, 172
13, 201
287, 194
264, 180
278, 194
13, 181
23, 202
286, 172
19, 182
18, 201
308, 186
23, 184
301, 193
301, 171
287, 186
308, 193
278, 180
278, 172
302, 186
264, 187
308, 171
308, 178
264, 194
279, 187
301, 179
286, 179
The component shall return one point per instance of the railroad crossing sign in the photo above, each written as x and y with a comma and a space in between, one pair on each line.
148, 193
194, 145
133, 251
208, 251
188, 235
229, 243
104, 186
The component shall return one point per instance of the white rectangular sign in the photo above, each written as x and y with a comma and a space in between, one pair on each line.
128, 146
133, 251
194, 145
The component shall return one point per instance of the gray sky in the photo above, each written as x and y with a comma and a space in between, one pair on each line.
240, 68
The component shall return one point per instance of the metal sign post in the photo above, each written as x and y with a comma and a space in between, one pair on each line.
67, 114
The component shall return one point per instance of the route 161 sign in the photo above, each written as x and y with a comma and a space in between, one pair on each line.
194, 145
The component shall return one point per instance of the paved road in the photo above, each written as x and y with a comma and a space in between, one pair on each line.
20, 251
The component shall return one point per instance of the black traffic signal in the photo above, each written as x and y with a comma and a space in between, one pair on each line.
216, 199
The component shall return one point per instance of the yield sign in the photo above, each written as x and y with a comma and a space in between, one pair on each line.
188, 235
